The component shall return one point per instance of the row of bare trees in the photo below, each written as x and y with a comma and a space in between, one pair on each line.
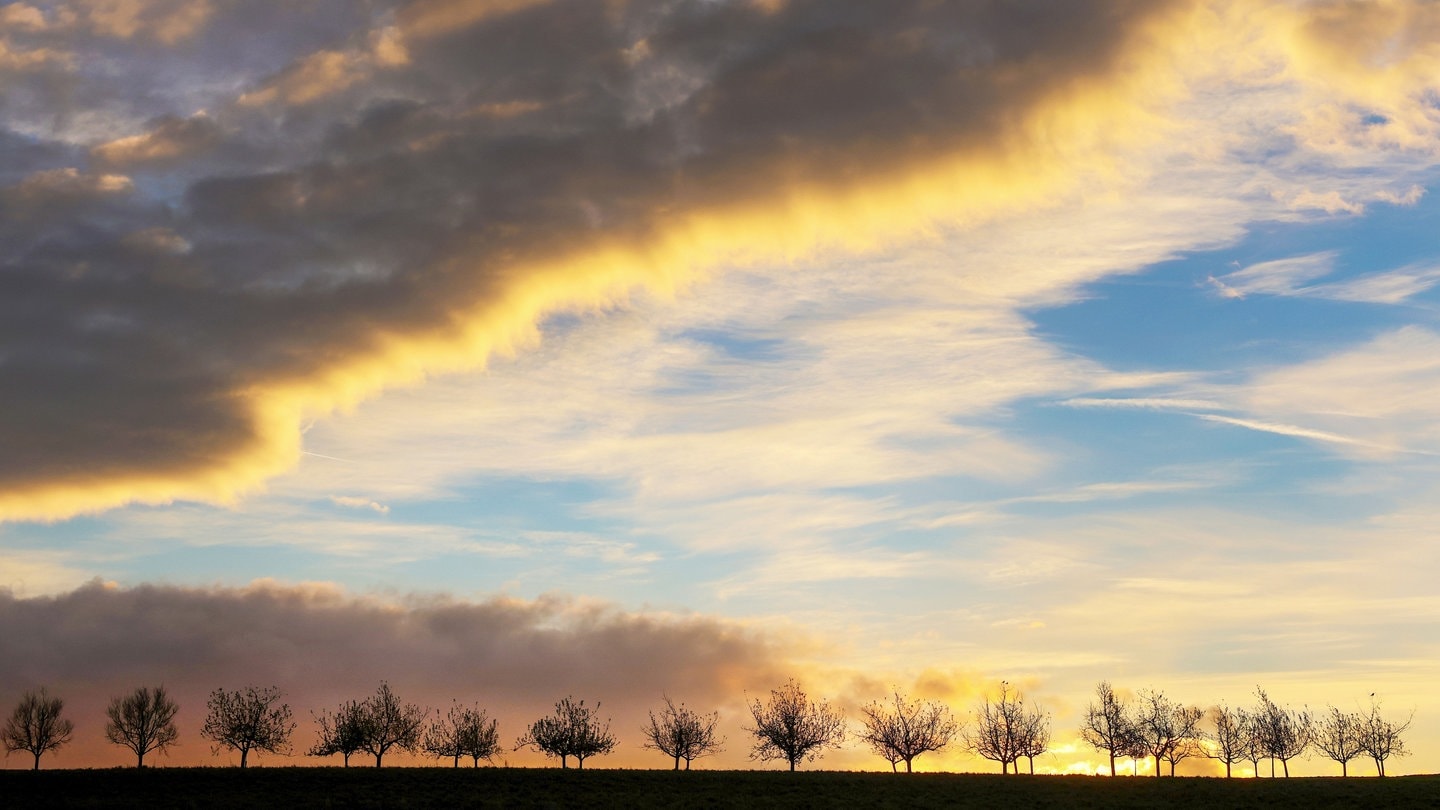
1153, 726
789, 726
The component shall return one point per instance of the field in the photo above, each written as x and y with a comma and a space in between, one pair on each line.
540, 788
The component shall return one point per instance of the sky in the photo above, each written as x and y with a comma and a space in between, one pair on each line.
505, 350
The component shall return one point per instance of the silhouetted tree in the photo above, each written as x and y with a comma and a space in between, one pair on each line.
1000, 729
682, 734
792, 727
464, 731
1187, 747
1254, 745
1165, 729
1382, 739
1036, 737
1229, 741
1107, 726
389, 724
1338, 735
343, 732
248, 720
142, 721
36, 726
574, 730
1283, 733
911, 729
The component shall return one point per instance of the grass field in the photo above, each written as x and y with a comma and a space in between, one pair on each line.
277, 788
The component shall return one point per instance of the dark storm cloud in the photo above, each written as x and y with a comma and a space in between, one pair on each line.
514, 656
353, 185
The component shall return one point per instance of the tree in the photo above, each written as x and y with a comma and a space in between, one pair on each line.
1165, 729
464, 731
1382, 738
1229, 741
248, 720
1339, 736
792, 727
574, 730
1283, 733
1000, 729
387, 723
1188, 746
1106, 726
682, 734
342, 732
35, 726
142, 721
912, 729
1036, 737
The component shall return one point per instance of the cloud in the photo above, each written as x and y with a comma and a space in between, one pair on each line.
322, 646
170, 139
362, 251
354, 502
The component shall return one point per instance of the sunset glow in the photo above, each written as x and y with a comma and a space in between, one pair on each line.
505, 350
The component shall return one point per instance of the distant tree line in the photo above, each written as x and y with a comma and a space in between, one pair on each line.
1156, 727
790, 726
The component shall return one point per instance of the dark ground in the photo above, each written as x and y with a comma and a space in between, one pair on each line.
278, 788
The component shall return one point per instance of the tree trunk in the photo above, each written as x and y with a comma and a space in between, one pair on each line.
579, 763
1227, 770
378, 755
677, 763
687, 764
139, 759
1172, 769
908, 769
1286, 763
792, 766
1112, 763
564, 762
1031, 760
37, 762
1344, 769
1157, 766
244, 754
457, 760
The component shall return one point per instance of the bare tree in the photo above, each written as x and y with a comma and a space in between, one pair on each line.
1134, 748
389, 724
1339, 736
464, 731
1382, 739
1107, 726
36, 726
1164, 729
911, 729
574, 730
999, 729
1036, 737
248, 720
1283, 733
1254, 744
142, 721
1229, 741
343, 732
792, 727
1188, 746
682, 734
